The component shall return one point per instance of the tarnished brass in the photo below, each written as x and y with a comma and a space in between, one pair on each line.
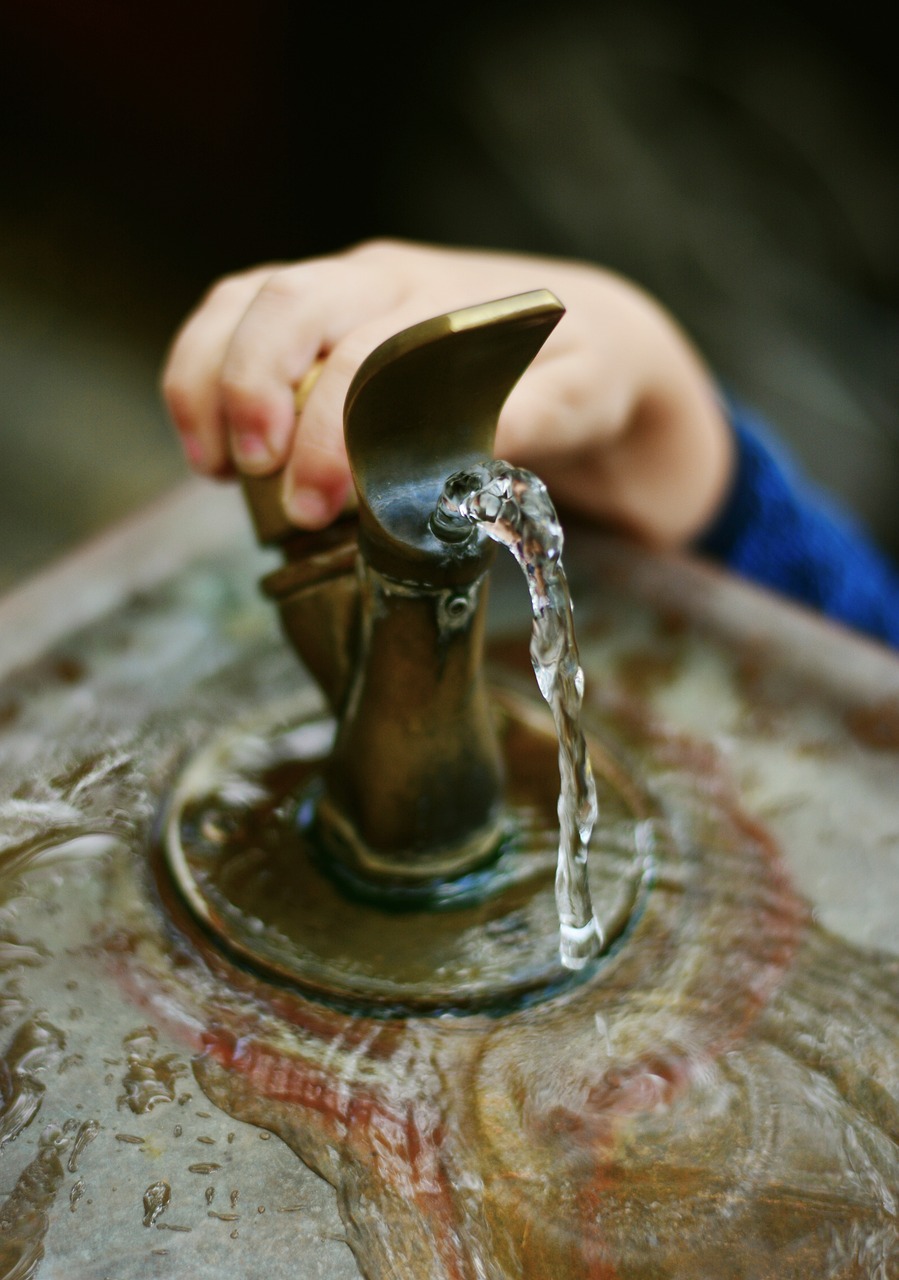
424, 405
317, 595
389, 618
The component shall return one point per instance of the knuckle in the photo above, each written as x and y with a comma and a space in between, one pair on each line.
223, 290
282, 285
238, 285
381, 253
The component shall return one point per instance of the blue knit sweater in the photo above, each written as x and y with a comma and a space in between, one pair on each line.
780, 530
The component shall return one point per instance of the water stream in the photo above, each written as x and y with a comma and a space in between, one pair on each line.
513, 507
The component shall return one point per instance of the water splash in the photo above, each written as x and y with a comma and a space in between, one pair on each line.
512, 506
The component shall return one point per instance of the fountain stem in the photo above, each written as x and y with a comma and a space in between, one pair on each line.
413, 791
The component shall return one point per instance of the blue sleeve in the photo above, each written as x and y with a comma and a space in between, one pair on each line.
780, 530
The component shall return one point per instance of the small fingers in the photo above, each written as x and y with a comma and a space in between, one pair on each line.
317, 480
297, 317
191, 375
230, 377
286, 327
317, 476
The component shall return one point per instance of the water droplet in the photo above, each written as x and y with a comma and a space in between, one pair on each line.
150, 1077
86, 1133
156, 1201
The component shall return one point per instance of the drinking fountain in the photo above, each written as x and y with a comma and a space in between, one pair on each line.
284, 989
424, 801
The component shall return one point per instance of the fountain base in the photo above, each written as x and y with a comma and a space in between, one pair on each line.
239, 840
719, 1098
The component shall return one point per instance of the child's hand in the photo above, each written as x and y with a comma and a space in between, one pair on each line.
617, 414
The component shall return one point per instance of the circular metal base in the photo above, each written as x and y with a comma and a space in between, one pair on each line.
239, 839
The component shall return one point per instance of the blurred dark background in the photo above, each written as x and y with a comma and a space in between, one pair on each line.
740, 166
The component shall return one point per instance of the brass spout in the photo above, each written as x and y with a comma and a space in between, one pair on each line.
424, 405
389, 618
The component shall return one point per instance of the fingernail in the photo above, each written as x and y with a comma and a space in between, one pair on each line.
251, 448
307, 507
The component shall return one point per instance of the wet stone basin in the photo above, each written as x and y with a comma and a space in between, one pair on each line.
719, 1098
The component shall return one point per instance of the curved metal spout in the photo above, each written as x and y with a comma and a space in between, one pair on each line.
415, 784
425, 404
